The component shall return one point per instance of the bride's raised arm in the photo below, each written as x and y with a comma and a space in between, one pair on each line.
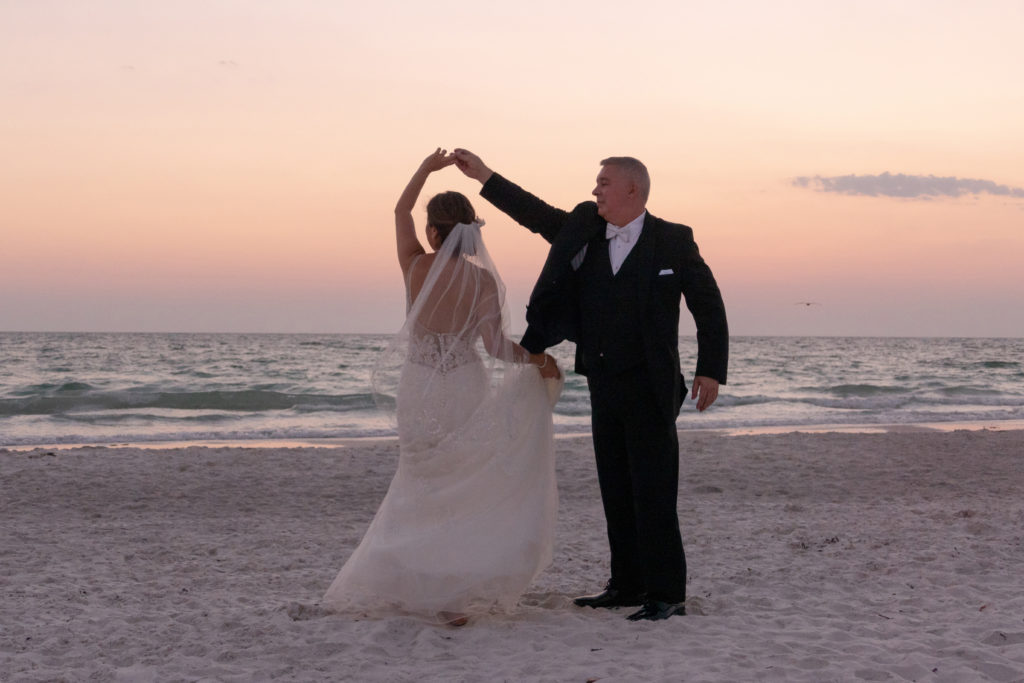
408, 244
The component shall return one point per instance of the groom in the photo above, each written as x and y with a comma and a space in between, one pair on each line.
612, 283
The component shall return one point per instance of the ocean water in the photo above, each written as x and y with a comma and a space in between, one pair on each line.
72, 388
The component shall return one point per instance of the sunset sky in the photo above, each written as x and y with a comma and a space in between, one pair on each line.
232, 165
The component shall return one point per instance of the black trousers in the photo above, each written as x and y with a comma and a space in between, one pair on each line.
637, 454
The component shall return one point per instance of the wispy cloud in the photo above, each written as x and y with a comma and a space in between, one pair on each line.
906, 186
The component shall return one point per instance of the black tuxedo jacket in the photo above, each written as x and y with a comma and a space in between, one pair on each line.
670, 268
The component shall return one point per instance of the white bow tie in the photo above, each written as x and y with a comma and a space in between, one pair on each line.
614, 233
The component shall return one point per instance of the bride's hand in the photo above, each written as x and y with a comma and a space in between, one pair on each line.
547, 365
438, 160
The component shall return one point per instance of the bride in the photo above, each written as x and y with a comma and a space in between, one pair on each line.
468, 520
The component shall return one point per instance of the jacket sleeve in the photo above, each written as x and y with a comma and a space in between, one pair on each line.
704, 300
524, 208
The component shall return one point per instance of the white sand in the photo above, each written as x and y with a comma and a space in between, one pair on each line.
813, 557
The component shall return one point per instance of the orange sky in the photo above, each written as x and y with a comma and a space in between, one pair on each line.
232, 166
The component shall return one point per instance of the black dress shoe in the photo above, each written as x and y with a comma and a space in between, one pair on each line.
656, 610
610, 597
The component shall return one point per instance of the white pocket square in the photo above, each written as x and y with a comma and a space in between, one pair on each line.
667, 271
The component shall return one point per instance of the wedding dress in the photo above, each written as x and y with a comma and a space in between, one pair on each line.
468, 520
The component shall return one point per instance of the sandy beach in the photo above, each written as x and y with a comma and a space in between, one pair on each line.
813, 557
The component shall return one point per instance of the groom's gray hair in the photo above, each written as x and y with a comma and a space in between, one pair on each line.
636, 171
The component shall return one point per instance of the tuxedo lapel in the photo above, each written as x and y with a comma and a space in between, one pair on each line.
560, 256
645, 250
553, 312
587, 233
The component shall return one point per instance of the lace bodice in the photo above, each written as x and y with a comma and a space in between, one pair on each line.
444, 352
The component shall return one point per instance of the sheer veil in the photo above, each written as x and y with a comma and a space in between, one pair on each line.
458, 314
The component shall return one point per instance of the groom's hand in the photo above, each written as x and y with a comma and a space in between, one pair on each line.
472, 165
705, 390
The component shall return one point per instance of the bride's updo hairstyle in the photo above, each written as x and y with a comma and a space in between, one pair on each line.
448, 208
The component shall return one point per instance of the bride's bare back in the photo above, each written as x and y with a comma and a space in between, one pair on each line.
464, 302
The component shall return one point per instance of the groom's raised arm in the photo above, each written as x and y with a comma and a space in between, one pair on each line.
524, 208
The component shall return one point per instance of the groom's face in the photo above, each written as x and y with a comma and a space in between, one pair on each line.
615, 194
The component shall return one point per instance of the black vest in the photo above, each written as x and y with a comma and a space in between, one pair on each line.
610, 312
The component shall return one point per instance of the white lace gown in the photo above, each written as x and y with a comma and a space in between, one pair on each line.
468, 520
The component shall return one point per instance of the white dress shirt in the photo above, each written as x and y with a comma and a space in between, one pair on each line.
618, 247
